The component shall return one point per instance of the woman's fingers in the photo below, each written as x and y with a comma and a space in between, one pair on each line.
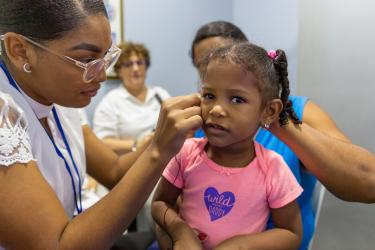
181, 114
188, 119
181, 102
177, 117
191, 123
184, 119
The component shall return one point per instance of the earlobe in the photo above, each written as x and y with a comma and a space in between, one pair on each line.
18, 51
27, 68
271, 112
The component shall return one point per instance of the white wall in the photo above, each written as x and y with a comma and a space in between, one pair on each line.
167, 28
336, 63
272, 24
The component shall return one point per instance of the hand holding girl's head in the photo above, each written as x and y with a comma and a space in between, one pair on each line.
243, 88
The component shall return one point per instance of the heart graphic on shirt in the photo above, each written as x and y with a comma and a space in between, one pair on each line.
218, 205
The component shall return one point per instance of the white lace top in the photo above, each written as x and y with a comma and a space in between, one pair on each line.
23, 139
14, 140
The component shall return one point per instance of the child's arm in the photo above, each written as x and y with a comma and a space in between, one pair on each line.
287, 233
166, 217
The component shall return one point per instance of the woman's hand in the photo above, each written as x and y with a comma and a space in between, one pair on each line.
178, 116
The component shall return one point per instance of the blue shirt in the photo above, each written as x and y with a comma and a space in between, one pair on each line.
305, 179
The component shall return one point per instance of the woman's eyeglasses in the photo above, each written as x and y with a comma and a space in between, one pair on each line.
129, 64
91, 69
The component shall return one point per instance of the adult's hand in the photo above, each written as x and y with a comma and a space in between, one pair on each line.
178, 116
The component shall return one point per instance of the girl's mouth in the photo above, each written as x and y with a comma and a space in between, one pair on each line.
215, 127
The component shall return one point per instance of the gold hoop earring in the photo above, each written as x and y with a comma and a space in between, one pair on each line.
26, 68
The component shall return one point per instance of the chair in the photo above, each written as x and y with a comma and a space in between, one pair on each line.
317, 200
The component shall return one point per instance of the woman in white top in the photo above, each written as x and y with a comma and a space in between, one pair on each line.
53, 59
129, 113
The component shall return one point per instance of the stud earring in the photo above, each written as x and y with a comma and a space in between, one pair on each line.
266, 126
26, 68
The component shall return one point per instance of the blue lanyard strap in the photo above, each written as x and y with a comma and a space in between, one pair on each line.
79, 208
78, 203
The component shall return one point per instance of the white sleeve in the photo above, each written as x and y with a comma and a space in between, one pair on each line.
15, 146
105, 119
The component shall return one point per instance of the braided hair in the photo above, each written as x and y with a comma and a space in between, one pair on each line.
270, 72
281, 66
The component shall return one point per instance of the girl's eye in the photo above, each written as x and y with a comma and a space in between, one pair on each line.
238, 99
208, 96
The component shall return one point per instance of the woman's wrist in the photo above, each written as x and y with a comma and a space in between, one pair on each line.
157, 154
283, 132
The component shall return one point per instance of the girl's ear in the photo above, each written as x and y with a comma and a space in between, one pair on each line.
271, 112
18, 50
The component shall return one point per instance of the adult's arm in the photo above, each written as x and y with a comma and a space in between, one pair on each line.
115, 166
121, 146
32, 217
345, 169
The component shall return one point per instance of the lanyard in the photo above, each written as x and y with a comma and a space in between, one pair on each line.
78, 203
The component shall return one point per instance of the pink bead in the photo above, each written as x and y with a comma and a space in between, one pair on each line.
272, 54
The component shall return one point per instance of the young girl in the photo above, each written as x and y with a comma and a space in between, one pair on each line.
230, 184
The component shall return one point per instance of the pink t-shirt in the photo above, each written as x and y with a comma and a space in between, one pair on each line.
223, 202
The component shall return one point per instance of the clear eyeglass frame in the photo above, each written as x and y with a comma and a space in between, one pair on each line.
91, 69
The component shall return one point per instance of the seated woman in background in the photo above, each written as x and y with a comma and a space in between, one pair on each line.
128, 114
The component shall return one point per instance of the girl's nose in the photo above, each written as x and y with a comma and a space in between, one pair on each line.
217, 110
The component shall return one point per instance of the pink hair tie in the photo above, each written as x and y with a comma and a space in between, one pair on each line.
272, 54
